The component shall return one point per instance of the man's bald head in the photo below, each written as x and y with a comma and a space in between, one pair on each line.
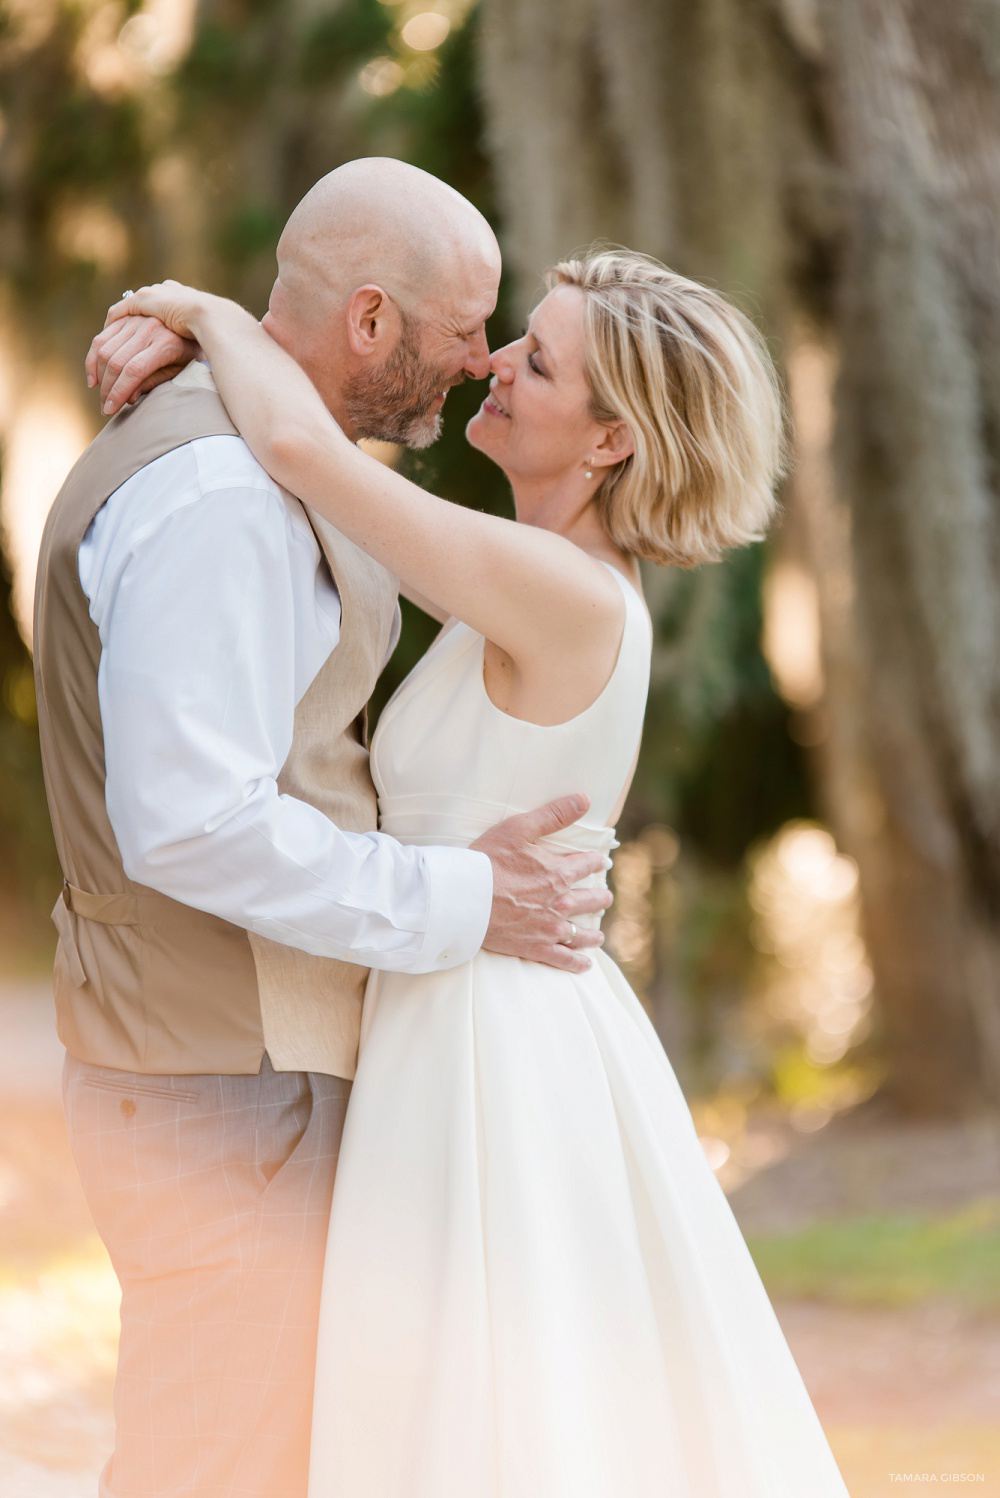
381, 220
376, 253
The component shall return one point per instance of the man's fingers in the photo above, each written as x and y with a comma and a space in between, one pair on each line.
565, 958
577, 866
583, 901
552, 817
585, 937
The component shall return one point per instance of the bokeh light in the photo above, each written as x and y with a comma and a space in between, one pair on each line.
425, 31
814, 977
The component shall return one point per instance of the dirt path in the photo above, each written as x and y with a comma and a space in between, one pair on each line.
907, 1397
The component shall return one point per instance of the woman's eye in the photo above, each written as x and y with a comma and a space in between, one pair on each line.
533, 366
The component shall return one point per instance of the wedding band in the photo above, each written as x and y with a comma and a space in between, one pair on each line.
125, 296
572, 935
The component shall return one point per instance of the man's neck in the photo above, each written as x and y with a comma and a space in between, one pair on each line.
331, 397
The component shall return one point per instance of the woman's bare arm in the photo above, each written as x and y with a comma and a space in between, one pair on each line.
134, 355
531, 592
422, 602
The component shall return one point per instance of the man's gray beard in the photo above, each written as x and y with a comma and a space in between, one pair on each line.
392, 403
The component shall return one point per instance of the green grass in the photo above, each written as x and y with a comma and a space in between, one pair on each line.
888, 1259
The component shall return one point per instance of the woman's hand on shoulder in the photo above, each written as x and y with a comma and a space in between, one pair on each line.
180, 308
149, 336
132, 356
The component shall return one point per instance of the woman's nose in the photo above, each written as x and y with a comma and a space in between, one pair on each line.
502, 363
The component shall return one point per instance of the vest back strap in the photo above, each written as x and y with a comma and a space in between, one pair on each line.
109, 910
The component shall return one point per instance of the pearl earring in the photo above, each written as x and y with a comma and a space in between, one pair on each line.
588, 472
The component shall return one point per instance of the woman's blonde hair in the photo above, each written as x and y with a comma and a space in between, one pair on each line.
692, 379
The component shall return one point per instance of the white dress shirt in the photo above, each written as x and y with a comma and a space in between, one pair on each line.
216, 611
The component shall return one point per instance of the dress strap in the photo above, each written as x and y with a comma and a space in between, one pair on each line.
625, 695
636, 612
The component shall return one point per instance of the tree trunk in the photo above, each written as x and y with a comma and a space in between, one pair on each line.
916, 115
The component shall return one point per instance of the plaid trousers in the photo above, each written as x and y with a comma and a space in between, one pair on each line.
212, 1194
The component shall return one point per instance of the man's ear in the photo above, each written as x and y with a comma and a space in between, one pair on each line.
372, 321
616, 445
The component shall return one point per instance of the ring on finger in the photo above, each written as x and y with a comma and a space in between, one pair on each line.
568, 941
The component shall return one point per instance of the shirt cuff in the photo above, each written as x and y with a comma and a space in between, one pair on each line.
461, 898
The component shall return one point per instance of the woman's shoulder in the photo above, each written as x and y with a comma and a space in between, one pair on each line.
604, 632
591, 590
626, 604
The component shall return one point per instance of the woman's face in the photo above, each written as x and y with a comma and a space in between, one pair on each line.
535, 423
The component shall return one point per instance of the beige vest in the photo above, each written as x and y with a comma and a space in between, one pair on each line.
143, 982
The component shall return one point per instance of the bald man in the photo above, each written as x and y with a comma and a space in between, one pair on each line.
386, 277
205, 648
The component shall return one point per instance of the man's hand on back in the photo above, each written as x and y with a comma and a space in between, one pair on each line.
534, 901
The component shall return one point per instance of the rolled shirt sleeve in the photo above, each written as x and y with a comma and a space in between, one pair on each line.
215, 614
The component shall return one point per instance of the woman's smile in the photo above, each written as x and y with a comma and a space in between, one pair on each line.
493, 406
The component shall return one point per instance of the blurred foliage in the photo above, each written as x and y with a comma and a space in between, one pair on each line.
67, 149
808, 1087
195, 169
717, 759
888, 1259
29, 870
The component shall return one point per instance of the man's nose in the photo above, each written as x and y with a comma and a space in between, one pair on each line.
477, 363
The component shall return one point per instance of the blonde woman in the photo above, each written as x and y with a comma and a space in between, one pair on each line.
534, 1285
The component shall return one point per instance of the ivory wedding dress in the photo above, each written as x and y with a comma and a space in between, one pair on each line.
534, 1284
